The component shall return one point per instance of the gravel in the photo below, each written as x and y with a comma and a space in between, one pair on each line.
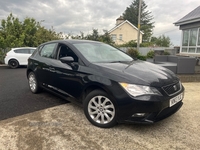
65, 127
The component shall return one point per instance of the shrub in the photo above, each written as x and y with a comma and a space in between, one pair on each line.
151, 54
133, 52
142, 57
129, 44
166, 53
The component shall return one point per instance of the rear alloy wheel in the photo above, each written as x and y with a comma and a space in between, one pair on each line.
13, 63
33, 84
99, 109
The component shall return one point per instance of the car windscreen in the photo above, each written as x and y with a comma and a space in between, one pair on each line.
100, 52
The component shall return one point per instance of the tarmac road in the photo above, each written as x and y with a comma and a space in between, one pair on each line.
65, 127
16, 98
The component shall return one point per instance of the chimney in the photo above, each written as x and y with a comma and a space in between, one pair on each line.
119, 20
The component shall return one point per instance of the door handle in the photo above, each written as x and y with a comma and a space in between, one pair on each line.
51, 69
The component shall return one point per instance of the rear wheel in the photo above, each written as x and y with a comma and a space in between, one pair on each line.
100, 109
13, 63
33, 83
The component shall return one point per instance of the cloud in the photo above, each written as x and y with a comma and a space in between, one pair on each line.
73, 16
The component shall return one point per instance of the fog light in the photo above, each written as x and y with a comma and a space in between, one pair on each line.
139, 115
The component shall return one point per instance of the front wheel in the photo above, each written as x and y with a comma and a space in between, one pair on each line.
100, 109
33, 83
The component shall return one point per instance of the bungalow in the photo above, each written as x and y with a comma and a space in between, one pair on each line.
190, 26
124, 31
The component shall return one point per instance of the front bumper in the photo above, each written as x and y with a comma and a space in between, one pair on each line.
154, 116
147, 109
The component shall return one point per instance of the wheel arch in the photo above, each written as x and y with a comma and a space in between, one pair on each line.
13, 58
28, 71
93, 87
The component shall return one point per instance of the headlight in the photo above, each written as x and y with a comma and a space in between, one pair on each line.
138, 90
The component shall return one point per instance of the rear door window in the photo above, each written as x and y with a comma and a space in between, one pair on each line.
22, 51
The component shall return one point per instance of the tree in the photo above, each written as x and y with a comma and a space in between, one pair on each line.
29, 32
162, 40
106, 38
131, 14
94, 36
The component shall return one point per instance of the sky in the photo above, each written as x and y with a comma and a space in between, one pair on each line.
75, 16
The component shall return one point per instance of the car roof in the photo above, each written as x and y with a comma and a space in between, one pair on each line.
23, 48
72, 41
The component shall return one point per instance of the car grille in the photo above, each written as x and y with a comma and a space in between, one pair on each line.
172, 88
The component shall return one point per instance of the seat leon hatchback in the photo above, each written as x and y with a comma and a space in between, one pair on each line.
18, 56
111, 86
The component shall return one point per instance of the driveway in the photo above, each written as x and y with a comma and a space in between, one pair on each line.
65, 127
16, 98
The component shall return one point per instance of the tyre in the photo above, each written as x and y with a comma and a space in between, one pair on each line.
100, 109
13, 63
33, 83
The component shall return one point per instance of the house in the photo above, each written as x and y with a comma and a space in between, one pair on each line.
190, 26
124, 31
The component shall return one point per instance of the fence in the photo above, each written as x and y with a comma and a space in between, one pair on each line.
145, 50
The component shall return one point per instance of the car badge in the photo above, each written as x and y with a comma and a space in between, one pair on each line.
175, 87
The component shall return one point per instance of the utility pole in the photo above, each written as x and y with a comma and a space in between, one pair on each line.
139, 16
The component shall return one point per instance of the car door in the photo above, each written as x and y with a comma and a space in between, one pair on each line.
22, 55
69, 78
45, 61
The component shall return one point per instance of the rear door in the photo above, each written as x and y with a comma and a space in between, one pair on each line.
22, 55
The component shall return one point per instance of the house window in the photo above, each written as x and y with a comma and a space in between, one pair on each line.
190, 41
114, 37
193, 37
199, 37
185, 37
198, 50
120, 37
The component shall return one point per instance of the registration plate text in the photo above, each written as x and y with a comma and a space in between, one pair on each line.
175, 100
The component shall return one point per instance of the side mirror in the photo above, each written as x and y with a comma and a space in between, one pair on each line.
67, 59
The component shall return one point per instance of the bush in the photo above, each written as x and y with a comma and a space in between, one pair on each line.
142, 57
2, 54
133, 52
128, 44
166, 53
151, 54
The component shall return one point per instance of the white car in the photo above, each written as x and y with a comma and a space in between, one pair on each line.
18, 56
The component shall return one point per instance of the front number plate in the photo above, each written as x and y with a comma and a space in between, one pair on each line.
175, 100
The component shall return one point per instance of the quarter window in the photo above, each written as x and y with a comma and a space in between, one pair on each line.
48, 50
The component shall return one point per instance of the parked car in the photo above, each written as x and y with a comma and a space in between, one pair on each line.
111, 86
18, 56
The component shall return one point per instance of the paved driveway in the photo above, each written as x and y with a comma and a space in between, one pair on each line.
65, 127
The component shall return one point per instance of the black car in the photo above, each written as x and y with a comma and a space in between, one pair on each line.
111, 86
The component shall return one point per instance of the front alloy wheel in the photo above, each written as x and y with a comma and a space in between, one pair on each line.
100, 110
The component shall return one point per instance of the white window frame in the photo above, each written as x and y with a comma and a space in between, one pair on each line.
114, 37
121, 37
188, 43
